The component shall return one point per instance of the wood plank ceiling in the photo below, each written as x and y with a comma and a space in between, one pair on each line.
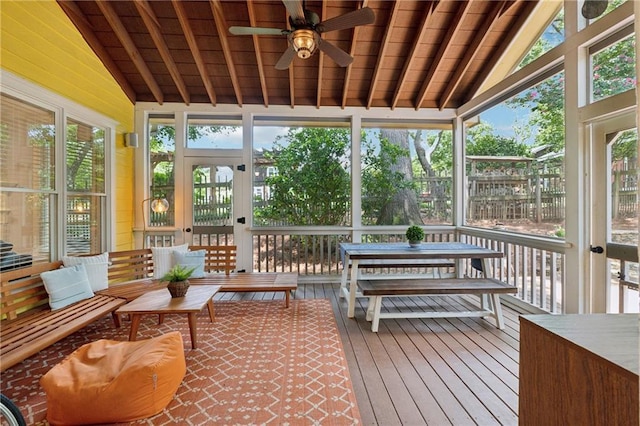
417, 53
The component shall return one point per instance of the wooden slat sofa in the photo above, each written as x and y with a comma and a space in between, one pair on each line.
28, 325
130, 273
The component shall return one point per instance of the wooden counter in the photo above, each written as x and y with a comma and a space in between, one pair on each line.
579, 369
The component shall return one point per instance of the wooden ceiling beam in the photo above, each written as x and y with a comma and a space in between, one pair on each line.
480, 37
146, 7
221, 25
195, 50
87, 31
121, 32
352, 52
153, 26
256, 46
383, 50
323, 17
527, 9
430, 10
445, 45
292, 86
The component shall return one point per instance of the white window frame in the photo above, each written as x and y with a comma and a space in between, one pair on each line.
64, 109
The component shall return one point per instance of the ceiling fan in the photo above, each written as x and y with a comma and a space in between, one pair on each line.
306, 28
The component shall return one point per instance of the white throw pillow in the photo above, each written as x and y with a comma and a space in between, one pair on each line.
66, 286
163, 259
191, 259
97, 269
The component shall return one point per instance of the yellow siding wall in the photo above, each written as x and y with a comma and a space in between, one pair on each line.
39, 43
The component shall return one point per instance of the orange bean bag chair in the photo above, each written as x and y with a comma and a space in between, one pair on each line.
110, 381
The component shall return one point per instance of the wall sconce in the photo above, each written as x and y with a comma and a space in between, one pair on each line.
131, 140
158, 205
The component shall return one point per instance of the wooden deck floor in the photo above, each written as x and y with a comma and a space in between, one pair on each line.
460, 371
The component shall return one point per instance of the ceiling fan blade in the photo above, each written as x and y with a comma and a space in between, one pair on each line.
362, 16
257, 30
286, 59
591, 9
341, 57
295, 9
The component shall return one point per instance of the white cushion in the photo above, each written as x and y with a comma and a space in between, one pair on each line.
97, 269
66, 286
191, 259
163, 259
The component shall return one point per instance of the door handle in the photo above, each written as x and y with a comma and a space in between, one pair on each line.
596, 249
187, 230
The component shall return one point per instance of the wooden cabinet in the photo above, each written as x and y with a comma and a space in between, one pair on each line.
579, 370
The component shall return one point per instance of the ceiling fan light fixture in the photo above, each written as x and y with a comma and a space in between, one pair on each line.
303, 42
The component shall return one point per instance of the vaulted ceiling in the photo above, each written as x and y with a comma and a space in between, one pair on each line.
416, 54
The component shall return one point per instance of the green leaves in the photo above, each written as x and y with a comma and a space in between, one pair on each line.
312, 185
178, 273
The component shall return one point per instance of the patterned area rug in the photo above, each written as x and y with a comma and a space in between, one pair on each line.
259, 363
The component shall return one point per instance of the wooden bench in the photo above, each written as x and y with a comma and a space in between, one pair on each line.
379, 288
285, 282
363, 264
130, 274
29, 325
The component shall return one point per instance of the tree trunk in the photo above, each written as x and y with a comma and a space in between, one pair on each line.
435, 188
404, 208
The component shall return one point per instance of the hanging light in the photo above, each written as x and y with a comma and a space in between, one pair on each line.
159, 205
304, 43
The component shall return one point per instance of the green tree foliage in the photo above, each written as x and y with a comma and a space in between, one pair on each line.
312, 185
85, 158
546, 103
613, 72
481, 140
614, 69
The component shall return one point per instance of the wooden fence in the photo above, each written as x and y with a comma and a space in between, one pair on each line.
534, 194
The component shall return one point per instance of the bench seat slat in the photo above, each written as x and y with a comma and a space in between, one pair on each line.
26, 339
377, 289
405, 263
397, 287
132, 289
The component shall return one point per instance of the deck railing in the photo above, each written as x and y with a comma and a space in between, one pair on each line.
316, 252
536, 266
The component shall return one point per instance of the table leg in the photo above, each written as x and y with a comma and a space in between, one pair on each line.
353, 286
487, 271
343, 278
192, 329
135, 323
497, 311
370, 306
375, 321
211, 312
287, 296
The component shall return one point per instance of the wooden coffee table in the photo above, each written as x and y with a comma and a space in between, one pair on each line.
160, 302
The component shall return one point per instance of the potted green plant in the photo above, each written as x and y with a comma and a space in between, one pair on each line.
415, 235
178, 278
